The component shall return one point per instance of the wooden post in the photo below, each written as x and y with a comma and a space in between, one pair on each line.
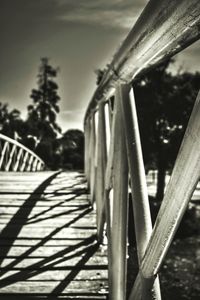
34, 166
108, 154
30, 163
93, 159
90, 144
107, 209
19, 154
86, 153
23, 167
141, 209
101, 168
120, 209
39, 165
6, 144
7, 168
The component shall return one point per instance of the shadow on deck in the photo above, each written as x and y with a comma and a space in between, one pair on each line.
48, 247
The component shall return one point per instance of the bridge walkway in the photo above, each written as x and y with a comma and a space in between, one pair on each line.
48, 247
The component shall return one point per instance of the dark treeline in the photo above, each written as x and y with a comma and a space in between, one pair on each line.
40, 131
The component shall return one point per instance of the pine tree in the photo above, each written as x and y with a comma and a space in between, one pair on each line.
43, 112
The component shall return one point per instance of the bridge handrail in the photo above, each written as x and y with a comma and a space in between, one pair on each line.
163, 29
113, 149
30, 161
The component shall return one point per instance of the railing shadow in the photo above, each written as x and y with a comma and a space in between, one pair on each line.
24, 211
41, 243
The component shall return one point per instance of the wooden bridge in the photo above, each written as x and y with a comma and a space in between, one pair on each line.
49, 223
48, 238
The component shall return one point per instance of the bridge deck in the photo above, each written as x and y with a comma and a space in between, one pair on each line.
48, 248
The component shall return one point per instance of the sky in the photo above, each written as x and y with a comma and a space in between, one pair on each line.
78, 36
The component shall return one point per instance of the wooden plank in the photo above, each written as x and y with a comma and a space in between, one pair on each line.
48, 198
86, 221
47, 251
34, 241
97, 262
65, 296
54, 275
48, 287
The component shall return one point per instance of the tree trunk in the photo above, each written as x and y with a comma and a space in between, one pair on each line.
162, 165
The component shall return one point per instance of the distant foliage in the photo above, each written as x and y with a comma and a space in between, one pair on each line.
11, 123
73, 149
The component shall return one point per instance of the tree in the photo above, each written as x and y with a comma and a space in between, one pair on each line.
42, 127
73, 149
11, 123
42, 113
164, 103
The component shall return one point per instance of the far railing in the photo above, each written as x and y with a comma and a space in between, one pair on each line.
113, 149
16, 157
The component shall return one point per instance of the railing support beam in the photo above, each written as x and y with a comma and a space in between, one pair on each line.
92, 155
141, 209
101, 169
119, 222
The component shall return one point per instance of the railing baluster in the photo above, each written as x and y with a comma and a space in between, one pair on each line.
120, 209
18, 160
10, 157
39, 165
105, 144
34, 164
141, 209
87, 149
108, 198
23, 166
93, 158
5, 146
29, 168
101, 166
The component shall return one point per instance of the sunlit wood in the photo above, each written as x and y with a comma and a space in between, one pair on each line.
163, 29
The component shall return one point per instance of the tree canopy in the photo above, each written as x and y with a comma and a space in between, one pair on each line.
164, 102
11, 123
73, 149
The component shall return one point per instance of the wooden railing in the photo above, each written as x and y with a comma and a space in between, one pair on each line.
113, 150
16, 157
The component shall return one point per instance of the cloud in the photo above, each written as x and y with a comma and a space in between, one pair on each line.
107, 13
73, 112
112, 13
71, 119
